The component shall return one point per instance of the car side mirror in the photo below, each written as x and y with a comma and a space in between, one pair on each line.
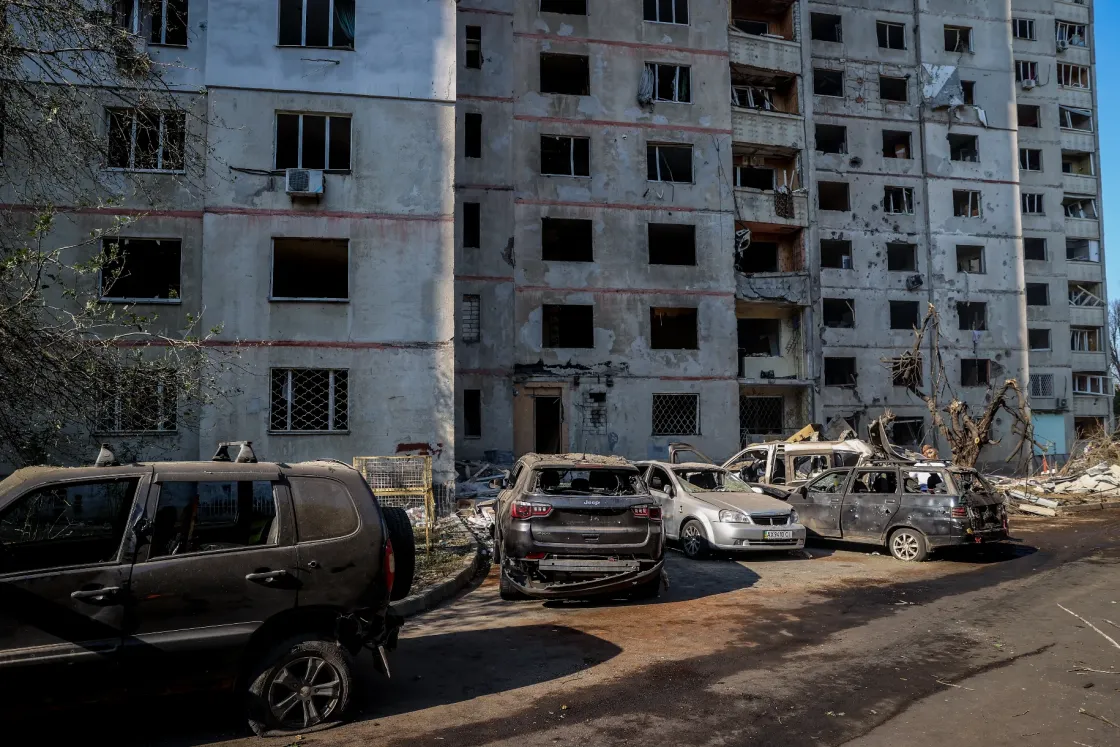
670, 490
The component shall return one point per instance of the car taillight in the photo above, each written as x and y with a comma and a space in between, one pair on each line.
522, 510
653, 513
960, 512
389, 563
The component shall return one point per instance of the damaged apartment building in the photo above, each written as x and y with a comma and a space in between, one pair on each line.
717, 221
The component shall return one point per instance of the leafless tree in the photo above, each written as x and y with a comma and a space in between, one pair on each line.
1114, 338
86, 117
967, 432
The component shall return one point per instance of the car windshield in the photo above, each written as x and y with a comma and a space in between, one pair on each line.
971, 482
711, 481
558, 481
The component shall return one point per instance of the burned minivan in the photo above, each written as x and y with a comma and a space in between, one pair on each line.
912, 509
576, 526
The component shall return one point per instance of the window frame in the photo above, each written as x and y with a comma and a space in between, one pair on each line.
1025, 163
167, 405
331, 399
272, 297
571, 156
907, 207
326, 140
972, 212
1090, 379
1028, 24
1040, 385
889, 26
134, 115
657, 160
656, 69
657, 12
303, 29
163, 11
121, 240
1068, 71
472, 44
1026, 66
1033, 200
968, 38
281, 540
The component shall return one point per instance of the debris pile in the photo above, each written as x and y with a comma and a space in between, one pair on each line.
1092, 475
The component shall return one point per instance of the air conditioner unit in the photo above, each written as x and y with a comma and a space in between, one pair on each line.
1063, 404
303, 182
1029, 84
1063, 45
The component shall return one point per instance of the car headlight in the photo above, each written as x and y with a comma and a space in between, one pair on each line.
734, 517
794, 518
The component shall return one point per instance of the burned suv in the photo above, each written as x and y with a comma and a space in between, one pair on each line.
577, 526
163, 577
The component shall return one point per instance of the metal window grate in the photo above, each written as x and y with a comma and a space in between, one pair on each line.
676, 414
472, 318
759, 418
309, 400
1042, 385
141, 401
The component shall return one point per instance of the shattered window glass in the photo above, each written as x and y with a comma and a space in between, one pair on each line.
588, 482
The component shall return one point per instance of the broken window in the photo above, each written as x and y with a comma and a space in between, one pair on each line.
473, 60
759, 256
1026, 71
565, 156
1077, 163
902, 257
566, 240
907, 371
568, 326
1085, 339
676, 414
1075, 119
1038, 339
317, 23
146, 139
975, 371
972, 316
169, 20
310, 269
669, 163
1023, 28
904, 314
838, 313
139, 400
1070, 34
472, 131
751, 26
753, 97
1034, 248
671, 82
754, 177
1080, 207
141, 269
565, 7
832, 138
966, 203
565, 74
839, 372
312, 141
833, 196
964, 148
1042, 385
908, 432
1029, 115
1086, 294
898, 200
891, 35
968, 92
1073, 76
1030, 159
1038, 294
472, 413
893, 89
471, 318
958, 39
970, 259
309, 400
667, 11
836, 254
828, 82
673, 328
1032, 203
472, 225
896, 144
1083, 250
826, 27
760, 338
671, 244
1089, 383
760, 416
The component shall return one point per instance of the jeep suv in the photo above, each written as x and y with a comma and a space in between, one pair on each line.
173, 576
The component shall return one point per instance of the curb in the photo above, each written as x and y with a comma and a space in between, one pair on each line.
1089, 507
432, 596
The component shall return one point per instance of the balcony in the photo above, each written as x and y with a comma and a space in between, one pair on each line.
770, 128
1082, 184
791, 287
758, 206
771, 348
765, 52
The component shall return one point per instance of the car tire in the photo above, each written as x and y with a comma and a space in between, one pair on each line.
694, 543
908, 545
506, 590
404, 550
277, 704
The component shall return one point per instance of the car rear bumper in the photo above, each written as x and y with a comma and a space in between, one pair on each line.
728, 536
615, 583
976, 537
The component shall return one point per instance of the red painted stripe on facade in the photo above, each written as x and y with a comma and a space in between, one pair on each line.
630, 45
630, 291
695, 378
496, 99
615, 206
337, 344
486, 278
137, 212
250, 212
632, 125
486, 11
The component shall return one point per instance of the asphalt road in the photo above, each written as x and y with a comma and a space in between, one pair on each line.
846, 647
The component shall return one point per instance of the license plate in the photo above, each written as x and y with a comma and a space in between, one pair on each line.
777, 534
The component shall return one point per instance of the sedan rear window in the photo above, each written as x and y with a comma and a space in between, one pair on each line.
588, 482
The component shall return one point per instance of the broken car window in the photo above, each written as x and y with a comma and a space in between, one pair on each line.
211, 516
925, 482
806, 467
710, 480
833, 482
588, 482
876, 482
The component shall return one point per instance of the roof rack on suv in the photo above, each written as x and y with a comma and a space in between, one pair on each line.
245, 456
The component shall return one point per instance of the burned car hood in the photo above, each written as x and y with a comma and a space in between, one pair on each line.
748, 502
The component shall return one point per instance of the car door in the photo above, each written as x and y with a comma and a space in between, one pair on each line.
219, 561
818, 503
65, 554
869, 503
326, 521
661, 487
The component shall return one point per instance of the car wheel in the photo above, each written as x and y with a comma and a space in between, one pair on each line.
693, 542
909, 545
404, 550
302, 685
506, 589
